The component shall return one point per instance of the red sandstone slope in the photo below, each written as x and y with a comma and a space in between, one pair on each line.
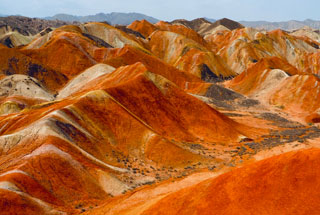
180, 29
110, 132
188, 55
144, 27
242, 47
286, 184
310, 63
299, 95
183, 48
251, 79
12, 61
66, 52
71, 49
111, 35
171, 104
275, 82
129, 55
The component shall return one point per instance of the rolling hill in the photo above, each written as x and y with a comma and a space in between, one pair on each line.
182, 117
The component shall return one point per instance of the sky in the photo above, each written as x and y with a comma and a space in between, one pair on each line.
248, 10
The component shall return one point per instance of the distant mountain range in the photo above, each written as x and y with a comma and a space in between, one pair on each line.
115, 18
210, 20
112, 18
288, 25
28, 26
127, 18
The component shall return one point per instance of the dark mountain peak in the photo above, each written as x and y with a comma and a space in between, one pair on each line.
202, 20
193, 24
228, 23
